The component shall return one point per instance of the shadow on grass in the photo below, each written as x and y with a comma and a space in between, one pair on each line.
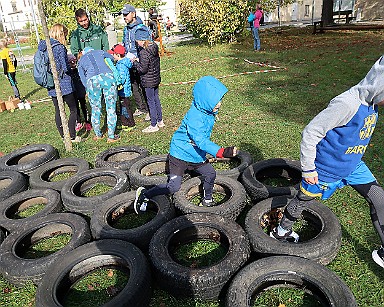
34, 91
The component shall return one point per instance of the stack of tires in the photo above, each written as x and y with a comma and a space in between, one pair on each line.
92, 224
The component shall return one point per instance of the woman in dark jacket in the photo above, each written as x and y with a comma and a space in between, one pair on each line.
148, 67
58, 34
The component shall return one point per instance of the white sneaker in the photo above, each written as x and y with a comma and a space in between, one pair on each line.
147, 117
150, 129
77, 139
378, 256
160, 124
138, 113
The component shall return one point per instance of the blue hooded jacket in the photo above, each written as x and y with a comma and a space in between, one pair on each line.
191, 142
123, 67
62, 66
129, 31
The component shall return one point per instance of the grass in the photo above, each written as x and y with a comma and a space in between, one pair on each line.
262, 113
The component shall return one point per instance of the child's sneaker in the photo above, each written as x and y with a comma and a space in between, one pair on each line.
207, 203
88, 127
147, 117
138, 113
378, 256
160, 124
114, 139
289, 236
127, 128
78, 127
141, 201
150, 129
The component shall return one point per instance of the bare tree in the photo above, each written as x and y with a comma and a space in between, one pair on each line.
64, 121
327, 12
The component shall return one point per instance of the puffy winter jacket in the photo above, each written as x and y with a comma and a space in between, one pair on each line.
149, 66
62, 66
123, 67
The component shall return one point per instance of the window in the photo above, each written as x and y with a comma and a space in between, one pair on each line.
306, 12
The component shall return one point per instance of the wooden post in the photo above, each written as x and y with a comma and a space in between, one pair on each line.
64, 121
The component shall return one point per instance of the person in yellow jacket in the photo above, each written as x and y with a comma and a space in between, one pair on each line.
9, 65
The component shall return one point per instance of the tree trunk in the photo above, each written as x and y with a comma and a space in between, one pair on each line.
64, 121
327, 12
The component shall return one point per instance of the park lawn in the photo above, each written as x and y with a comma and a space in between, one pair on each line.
262, 113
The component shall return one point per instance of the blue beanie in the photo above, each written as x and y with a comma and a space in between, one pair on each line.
142, 34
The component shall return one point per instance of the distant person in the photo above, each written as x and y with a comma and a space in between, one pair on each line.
256, 26
87, 34
190, 144
58, 37
133, 23
111, 33
331, 152
99, 81
148, 67
9, 62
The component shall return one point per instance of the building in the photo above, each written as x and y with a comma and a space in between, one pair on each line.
18, 14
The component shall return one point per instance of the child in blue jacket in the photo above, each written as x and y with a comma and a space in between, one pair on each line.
98, 80
123, 65
190, 144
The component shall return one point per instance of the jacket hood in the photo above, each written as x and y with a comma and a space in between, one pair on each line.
207, 93
371, 88
138, 21
43, 44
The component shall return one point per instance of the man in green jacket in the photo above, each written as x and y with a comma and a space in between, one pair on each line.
87, 34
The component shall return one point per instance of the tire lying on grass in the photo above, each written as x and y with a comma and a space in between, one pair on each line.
149, 171
239, 163
320, 236
105, 219
2, 236
231, 191
20, 263
11, 183
28, 158
73, 191
11, 208
110, 254
267, 274
273, 177
121, 157
191, 280
43, 177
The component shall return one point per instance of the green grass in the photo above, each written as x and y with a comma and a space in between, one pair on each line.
262, 113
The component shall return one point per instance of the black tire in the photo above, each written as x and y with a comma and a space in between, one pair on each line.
73, 189
11, 183
149, 171
115, 254
113, 209
41, 177
322, 247
18, 270
2, 236
288, 272
28, 158
121, 157
9, 207
243, 159
203, 283
254, 175
230, 207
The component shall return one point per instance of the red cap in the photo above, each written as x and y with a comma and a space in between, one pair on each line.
110, 51
119, 49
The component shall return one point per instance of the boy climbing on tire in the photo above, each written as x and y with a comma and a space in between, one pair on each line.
332, 147
190, 144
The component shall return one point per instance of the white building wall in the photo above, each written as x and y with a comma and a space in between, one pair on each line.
16, 14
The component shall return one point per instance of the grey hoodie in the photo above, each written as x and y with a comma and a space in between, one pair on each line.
334, 142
